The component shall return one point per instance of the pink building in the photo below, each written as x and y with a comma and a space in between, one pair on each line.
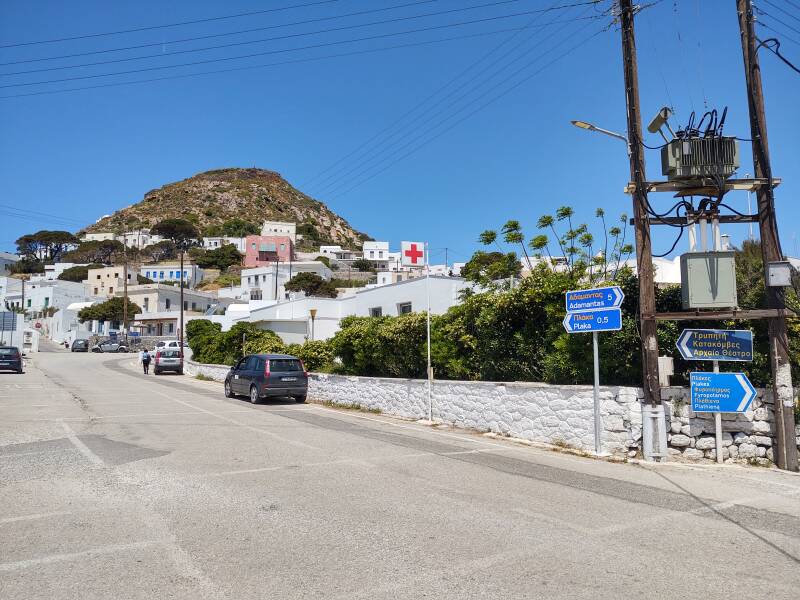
265, 249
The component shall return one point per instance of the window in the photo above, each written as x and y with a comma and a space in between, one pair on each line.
376, 312
185, 305
284, 365
29, 302
404, 308
194, 305
171, 276
95, 291
283, 247
185, 274
116, 275
98, 276
171, 327
253, 245
147, 274
110, 290
146, 304
167, 303
255, 294
161, 275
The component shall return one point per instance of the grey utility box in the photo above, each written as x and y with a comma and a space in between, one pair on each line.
700, 157
708, 280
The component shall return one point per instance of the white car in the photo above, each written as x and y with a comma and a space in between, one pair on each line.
168, 344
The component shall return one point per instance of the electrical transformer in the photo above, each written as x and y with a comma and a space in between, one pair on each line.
691, 158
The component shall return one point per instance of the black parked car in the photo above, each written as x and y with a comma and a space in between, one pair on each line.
80, 346
10, 359
268, 375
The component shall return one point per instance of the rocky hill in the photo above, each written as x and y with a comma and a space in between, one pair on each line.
212, 198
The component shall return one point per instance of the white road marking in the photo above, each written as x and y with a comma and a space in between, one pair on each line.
33, 517
53, 558
82, 448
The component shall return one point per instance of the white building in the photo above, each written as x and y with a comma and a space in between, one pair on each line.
9, 286
98, 237
212, 243
278, 228
292, 320
171, 271
338, 254
105, 281
260, 283
53, 271
43, 295
378, 253
7, 260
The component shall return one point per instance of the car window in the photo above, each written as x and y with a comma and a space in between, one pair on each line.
252, 363
240, 365
8, 351
170, 354
284, 365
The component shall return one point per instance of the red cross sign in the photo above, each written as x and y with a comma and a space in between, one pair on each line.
413, 254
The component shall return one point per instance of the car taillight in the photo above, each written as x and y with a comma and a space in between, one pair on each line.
303, 366
266, 368
158, 356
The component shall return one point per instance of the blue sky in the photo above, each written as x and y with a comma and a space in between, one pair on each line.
76, 156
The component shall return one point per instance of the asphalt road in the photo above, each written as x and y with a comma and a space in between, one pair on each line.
114, 485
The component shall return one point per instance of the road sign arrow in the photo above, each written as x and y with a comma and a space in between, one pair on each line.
749, 392
683, 344
567, 322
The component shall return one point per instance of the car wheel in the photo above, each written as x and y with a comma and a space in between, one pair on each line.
228, 391
20, 372
156, 372
300, 399
254, 394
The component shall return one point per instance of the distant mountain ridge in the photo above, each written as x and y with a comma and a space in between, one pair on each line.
256, 195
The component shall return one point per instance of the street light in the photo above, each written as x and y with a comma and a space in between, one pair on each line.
313, 313
596, 129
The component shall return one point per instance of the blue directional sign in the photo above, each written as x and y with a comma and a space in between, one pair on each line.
594, 299
716, 344
609, 319
721, 392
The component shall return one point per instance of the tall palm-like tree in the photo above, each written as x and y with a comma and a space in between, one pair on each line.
512, 234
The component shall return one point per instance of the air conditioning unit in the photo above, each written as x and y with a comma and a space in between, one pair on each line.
700, 157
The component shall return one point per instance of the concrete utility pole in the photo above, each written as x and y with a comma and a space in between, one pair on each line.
181, 320
125, 293
785, 452
644, 257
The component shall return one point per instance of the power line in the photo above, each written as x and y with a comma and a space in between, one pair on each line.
259, 41
779, 32
784, 11
261, 66
771, 16
473, 112
340, 178
400, 119
151, 27
218, 35
252, 55
333, 180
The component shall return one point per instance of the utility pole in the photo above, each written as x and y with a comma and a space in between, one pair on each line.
125, 292
785, 453
181, 319
644, 257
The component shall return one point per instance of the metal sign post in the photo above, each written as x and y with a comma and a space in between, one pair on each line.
592, 311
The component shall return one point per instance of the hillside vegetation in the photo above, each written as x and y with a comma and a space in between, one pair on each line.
214, 198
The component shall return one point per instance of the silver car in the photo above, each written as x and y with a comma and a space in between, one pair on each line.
168, 359
110, 346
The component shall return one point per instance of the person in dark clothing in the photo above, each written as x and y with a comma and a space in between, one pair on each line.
146, 362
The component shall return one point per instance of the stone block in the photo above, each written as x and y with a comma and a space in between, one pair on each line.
747, 450
761, 452
680, 441
733, 451
770, 454
727, 439
693, 429
761, 414
712, 454
705, 443
675, 427
761, 440
693, 454
740, 438
761, 427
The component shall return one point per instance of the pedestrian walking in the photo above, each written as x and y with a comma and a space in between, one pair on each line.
139, 357
146, 361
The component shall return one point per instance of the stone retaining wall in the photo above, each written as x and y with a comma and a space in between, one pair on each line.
551, 414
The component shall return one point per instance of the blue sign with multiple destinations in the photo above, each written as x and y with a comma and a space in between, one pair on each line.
721, 392
594, 299
609, 319
716, 344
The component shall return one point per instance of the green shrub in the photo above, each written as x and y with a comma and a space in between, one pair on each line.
316, 355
